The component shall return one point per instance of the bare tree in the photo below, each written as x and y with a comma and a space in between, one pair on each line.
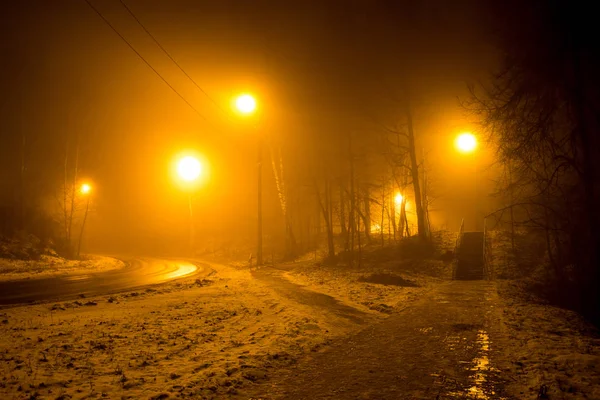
541, 111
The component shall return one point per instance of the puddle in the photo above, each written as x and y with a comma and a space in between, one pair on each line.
480, 385
481, 368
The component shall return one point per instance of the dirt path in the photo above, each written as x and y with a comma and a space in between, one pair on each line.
274, 277
440, 347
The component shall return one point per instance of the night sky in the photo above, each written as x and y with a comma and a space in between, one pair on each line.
320, 69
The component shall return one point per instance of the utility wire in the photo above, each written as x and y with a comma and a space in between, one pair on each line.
170, 57
144, 60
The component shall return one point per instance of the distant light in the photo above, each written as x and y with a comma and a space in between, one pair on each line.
398, 199
189, 168
375, 228
466, 142
86, 188
245, 104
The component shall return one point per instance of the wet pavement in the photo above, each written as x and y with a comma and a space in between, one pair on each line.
137, 273
441, 346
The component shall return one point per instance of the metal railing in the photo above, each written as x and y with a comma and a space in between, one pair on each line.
487, 253
456, 247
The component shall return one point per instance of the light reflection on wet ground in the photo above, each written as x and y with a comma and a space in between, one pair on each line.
481, 386
481, 367
183, 269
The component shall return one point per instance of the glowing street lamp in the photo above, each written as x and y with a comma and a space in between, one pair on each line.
246, 105
189, 169
398, 199
85, 190
466, 142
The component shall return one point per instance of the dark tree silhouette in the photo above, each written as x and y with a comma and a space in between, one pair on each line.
542, 109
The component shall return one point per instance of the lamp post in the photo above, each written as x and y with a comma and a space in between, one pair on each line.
189, 169
85, 190
246, 105
466, 143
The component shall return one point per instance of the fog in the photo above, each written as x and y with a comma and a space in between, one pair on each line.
322, 72
282, 199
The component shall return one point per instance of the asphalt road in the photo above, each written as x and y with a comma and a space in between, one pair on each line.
137, 273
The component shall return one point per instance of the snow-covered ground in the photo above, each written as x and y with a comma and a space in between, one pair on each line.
548, 352
48, 266
382, 287
220, 336
205, 338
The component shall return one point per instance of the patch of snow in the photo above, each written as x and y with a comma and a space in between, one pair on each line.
354, 286
548, 352
48, 266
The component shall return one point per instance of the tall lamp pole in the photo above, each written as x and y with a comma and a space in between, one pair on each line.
246, 105
192, 231
467, 143
189, 169
259, 233
85, 190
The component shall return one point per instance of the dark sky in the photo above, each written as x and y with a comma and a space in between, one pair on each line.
318, 68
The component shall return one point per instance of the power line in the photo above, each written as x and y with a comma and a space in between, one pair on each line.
170, 57
144, 60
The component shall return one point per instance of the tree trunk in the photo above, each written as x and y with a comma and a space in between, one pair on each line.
358, 231
366, 215
290, 239
87, 207
403, 211
425, 200
512, 214
325, 210
65, 191
415, 175
330, 243
393, 213
382, 213
343, 210
352, 200
403, 222
23, 197
73, 192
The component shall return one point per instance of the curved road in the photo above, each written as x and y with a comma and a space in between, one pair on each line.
138, 272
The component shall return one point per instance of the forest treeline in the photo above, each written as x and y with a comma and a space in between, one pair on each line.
541, 110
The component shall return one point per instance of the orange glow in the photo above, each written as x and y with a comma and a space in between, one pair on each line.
245, 103
182, 269
86, 188
466, 142
189, 168
375, 228
398, 198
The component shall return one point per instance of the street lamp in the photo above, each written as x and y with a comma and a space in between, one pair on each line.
246, 105
466, 143
189, 169
398, 199
85, 190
